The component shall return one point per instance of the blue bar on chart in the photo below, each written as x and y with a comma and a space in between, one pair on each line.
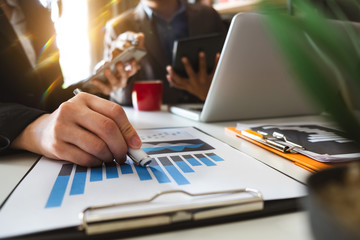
182, 165
96, 174
126, 168
172, 170
205, 160
58, 190
143, 173
78, 184
111, 170
214, 157
192, 160
159, 174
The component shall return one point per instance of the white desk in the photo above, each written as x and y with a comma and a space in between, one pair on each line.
286, 226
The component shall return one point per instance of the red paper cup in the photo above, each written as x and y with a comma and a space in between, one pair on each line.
147, 95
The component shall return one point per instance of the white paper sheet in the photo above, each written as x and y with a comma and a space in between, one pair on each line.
54, 193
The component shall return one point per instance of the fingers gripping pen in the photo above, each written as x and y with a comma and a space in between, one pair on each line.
140, 157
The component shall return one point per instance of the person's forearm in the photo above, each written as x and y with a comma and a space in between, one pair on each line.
14, 118
30, 138
86, 130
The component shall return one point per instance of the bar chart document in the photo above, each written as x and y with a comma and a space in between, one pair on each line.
53, 193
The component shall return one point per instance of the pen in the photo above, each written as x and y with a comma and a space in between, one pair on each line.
137, 155
276, 140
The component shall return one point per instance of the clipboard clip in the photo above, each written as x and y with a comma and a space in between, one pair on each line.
156, 212
275, 140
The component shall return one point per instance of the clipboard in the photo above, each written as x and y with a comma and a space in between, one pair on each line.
101, 210
298, 159
227, 206
164, 221
225, 203
188, 217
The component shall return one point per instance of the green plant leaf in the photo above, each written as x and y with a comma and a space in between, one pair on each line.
318, 53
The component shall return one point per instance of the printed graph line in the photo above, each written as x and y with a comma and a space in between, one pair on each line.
179, 146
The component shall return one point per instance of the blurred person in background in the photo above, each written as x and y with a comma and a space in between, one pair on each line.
157, 24
205, 2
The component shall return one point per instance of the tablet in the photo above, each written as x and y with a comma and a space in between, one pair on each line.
190, 48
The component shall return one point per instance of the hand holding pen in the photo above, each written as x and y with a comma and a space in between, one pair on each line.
134, 151
86, 130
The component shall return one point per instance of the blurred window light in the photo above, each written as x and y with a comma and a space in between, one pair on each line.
72, 39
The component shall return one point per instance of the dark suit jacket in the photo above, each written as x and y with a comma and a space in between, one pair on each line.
202, 20
26, 93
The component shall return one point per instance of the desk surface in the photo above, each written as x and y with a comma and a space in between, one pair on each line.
286, 226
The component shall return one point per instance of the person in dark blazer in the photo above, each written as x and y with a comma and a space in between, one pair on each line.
151, 18
36, 113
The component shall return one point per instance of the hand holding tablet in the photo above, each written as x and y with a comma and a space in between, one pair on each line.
211, 45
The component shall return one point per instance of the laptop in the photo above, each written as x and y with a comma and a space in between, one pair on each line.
251, 80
